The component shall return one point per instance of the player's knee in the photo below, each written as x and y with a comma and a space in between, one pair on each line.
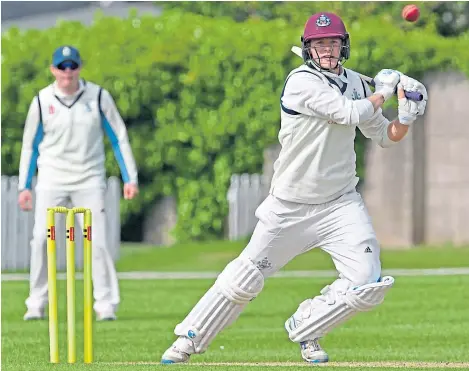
368, 265
368, 274
364, 298
241, 281
365, 278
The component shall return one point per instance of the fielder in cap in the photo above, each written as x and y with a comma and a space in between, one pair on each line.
313, 202
63, 141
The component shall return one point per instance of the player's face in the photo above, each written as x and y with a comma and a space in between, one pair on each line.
326, 52
66, 74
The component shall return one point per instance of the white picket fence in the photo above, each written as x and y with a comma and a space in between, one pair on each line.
17, 227
245, 194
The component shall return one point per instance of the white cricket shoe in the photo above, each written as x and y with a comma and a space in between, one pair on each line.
179, 352
106, 316
34, 314
312, 352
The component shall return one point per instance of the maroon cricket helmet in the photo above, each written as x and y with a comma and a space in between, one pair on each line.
321, 25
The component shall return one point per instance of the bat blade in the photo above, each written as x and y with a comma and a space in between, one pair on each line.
297, 50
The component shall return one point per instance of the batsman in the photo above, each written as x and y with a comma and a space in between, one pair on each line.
313, 202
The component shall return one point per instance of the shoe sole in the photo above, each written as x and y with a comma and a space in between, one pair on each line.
34, 318
167, 362
317, 360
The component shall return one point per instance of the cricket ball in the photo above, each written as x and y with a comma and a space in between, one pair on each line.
410, 13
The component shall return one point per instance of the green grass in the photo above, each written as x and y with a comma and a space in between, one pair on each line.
213, 256
422, 319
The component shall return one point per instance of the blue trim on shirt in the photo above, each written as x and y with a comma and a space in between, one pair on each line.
115, 147
34, 156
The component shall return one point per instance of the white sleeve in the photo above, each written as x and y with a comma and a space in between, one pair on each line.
115, 129
376, 128
32, 136
308, 94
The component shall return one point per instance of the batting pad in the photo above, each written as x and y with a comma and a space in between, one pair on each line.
315, 318
239, 283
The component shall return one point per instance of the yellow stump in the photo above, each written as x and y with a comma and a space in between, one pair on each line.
70, 253
52, 280
88, 288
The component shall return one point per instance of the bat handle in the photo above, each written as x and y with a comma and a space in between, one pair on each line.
414, 95
411, 95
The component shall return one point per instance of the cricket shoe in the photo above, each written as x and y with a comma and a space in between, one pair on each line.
179, 352
106, 316
312, 352
34, 314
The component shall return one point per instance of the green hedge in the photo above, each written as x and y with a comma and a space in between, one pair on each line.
200, 95
451, 18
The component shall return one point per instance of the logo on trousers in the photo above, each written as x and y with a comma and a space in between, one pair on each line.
264, 264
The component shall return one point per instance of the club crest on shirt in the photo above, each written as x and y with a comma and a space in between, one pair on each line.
356, 95
87, 107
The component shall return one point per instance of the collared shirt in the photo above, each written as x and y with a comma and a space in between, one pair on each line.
319, 115
63, 140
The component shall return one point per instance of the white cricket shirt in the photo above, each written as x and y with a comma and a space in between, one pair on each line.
319, 115
63, 140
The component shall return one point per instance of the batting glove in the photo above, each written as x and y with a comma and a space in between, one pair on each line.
408, 110
386, 82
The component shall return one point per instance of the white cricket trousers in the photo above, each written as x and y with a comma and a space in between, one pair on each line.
105, 283
342, 228
285, 230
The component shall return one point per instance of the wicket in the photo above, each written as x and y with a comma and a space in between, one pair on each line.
52, 279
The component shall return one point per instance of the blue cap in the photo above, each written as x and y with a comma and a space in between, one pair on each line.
66, 53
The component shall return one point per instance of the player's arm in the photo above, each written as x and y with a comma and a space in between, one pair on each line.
308, 94
32, 136
386, 133
382, 131
115, 129
378, 128
397, 131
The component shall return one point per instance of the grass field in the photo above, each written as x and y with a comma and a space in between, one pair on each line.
422, 325
213, 256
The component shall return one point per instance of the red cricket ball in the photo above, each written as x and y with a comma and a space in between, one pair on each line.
410, 13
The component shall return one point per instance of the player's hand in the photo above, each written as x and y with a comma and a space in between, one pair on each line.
386, 82
25, 200
408, 110
130, 190
412, 85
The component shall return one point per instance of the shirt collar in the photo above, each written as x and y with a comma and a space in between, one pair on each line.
59, 93
340, 77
